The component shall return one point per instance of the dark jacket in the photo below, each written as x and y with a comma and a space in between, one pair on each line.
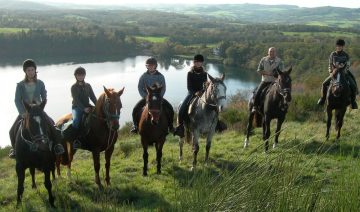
81, 95
40, 95
195, 80
339, 58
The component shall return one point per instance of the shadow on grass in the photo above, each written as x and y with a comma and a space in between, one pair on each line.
112, 196
331, 148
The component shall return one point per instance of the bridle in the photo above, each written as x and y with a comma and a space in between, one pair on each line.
212, 99
34, 140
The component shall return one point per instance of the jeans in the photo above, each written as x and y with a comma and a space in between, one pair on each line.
77, 114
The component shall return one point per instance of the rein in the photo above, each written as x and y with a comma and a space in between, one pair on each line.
32, 143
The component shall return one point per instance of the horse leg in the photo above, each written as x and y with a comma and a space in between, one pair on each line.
248, 129
266, 132
48, 187
208, 145
145, 158
20, 171
108, 154
181, 144
159, 147
70, 156
277, 132
96, 160
57, 165
32, 172
195, 141
339, 121
328, 123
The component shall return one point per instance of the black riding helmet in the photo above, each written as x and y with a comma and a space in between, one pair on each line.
80, 71
29, 63
199, 58
340, 42
151, 61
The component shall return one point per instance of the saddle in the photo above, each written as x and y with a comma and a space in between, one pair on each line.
67, 130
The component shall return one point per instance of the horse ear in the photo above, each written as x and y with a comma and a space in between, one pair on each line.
106, 91
289, 70
222, 77
211, 78
42, 105
27, 106
121, 91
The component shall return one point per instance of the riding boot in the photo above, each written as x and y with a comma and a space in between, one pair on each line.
12, 154
56, 136
179, 130
321, 101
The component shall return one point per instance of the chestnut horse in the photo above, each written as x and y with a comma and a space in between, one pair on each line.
102, 135
153, 125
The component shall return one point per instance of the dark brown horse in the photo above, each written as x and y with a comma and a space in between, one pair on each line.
338, 99
153, 125
274, 106
33, 148
102, 135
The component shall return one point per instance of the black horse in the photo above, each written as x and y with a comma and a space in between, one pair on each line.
338, 98
276, 100
33, 148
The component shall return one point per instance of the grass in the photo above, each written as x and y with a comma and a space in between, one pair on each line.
331, 34
12, 30
152, 39
304, 173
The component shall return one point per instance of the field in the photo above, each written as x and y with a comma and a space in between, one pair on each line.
152, 39
304, 173
12, 30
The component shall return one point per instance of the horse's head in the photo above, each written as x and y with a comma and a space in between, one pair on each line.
215, 93
337, 84
112, 107
154, 102
36, 126
284, 84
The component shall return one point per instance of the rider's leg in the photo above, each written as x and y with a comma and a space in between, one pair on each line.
353, 88
77, 114
181, 116
257, 94
15, 125
136, 115
55, 137
324, 88
170, 113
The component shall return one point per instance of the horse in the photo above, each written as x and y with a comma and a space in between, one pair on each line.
338, 98
101, 136
34, 148
275, 105
203, 116
153, 125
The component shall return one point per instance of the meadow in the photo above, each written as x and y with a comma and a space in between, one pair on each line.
305, 173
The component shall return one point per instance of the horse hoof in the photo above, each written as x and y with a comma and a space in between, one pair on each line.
192, 168
246, 143
144, 174
180, 158
274, 146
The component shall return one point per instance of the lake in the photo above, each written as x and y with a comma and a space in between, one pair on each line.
58, 79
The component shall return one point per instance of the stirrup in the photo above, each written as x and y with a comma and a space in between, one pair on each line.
76, 144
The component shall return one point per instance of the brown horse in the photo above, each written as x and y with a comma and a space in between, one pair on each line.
102, 135
153, 125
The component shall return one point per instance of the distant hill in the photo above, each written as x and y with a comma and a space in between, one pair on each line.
251, 13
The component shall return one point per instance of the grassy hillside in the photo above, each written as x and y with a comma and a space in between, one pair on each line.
304, 173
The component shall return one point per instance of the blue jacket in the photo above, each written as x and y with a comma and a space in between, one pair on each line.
40, 95
149, 79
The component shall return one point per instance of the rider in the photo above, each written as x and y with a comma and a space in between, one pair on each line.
339, 61
267, 68
81, 92
150, 77
196, 78
32, 91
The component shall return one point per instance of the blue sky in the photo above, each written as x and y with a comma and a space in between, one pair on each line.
302, 3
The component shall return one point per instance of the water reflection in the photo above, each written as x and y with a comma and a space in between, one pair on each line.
58, 79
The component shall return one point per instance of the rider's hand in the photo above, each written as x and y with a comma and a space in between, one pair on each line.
87, 110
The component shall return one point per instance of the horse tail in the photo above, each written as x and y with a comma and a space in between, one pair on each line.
257, 120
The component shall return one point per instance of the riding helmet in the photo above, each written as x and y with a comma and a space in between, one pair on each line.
340, 42
29, 63
80, 71
199, 58
151, 61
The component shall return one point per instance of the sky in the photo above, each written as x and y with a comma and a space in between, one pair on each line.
301, 3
